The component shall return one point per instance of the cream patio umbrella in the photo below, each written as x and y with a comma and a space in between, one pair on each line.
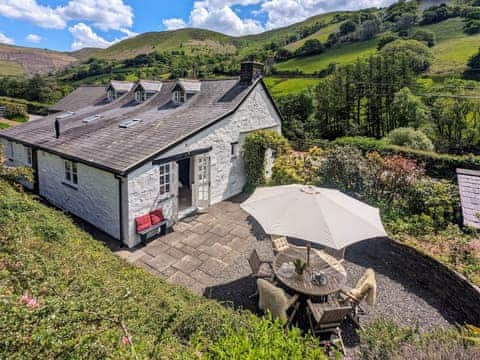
316, 215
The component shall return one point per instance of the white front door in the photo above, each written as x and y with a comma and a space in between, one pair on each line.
201, 186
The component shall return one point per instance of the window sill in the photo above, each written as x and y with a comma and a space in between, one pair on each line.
71, 186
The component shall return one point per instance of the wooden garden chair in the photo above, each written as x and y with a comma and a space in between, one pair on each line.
276, 301
261, 269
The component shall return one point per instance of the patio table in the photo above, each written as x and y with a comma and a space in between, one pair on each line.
319, 262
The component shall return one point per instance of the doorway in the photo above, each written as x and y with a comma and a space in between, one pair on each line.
184, 184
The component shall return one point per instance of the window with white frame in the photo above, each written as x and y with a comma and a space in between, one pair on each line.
71, 173
179, 96
164, 178
234, 149
28, 155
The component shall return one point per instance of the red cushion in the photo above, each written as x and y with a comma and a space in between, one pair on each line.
156, 216
143, 222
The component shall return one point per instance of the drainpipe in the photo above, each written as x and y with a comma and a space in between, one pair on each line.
36, 177
120, 208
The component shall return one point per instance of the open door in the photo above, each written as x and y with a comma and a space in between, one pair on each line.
201, 174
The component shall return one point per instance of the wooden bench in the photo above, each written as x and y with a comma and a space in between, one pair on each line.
153, 231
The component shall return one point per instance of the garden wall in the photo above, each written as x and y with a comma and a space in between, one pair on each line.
450, 287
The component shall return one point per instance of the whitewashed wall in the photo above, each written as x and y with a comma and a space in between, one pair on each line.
19, 157
95, 198
227, 173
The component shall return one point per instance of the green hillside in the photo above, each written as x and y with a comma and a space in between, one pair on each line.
341, 55
453, 48
285, 86
10, 68
321, 35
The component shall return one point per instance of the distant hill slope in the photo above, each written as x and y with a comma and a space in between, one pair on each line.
16, 60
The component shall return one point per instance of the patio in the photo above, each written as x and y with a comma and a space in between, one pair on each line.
208, 254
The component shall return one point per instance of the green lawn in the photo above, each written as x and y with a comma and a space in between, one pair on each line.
321, 35
4, 125
10, 68
283, 86
453, 48
341, 55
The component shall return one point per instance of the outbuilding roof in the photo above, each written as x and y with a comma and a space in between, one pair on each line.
469, 185
104, 144
81, 97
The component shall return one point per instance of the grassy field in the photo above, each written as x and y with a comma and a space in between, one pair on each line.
284, 86
341, 55
10, 68
321, 35
453, 48
3, 125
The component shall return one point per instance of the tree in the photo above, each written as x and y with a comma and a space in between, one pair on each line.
348, 27
386, 38
310, 47
411, 138
425, 36
419, 55
408, 109
368, 30
296, 110
474, 61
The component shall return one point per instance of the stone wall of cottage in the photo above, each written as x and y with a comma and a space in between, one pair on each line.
95, 198
18, 158
227, 173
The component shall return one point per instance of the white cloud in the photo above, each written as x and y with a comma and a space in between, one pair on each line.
104, 14
218, 15
286, 12
33, 38
29, 10
174, 23
84, 36
4, 39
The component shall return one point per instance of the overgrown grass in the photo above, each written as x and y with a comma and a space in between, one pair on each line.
453, 48
342, 55
285, 86
64, 295
10, 68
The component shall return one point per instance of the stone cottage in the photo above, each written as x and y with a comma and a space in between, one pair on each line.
111, 155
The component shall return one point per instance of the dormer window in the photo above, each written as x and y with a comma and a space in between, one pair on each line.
140, 96
111, 95
179, 96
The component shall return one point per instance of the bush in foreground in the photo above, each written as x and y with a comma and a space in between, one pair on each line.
64, 295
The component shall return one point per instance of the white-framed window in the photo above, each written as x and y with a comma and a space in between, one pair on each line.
71, 173
234, 149
28, 155
179, 96
164, 178
11, 153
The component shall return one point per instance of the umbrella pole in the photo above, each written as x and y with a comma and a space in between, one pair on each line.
309, 247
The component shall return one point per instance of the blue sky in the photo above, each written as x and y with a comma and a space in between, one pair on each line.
73, 24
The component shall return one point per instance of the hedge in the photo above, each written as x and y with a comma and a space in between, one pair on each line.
32, 106
436, 165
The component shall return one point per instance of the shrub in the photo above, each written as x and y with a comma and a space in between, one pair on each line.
426, 36
436, 165
15, 111
386, 38
297, 168
255, 146
410, 138
348, 27
310, 47
472, 27
419, 55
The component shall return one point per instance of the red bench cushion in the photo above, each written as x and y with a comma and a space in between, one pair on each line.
156, 216
143, 222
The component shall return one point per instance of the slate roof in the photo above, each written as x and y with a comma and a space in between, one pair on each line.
469, 184
150, 86
190, 85
121, 86
81, 97
104, 144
